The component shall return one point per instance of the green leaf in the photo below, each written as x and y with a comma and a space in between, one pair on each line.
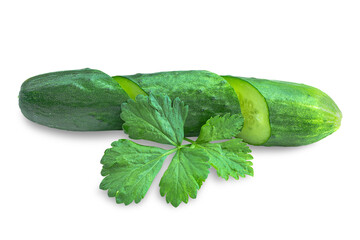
129, 170
155, 118
221, 127
187, 171
230, 158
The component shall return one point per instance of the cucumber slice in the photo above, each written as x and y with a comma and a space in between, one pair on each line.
256, 129
131, 88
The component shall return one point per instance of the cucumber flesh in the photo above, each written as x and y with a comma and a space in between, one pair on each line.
256, 129
131, 88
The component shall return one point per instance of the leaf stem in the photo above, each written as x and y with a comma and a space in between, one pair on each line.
169, 152
189, 140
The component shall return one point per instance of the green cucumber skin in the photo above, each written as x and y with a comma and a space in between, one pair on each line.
80, 100
206, 93
299, 114
90, 100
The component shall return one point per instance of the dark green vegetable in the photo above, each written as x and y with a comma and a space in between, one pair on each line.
275, 112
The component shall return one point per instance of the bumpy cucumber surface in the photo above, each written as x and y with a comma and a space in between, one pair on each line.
298, 114
276, 112
82, 100
206, 93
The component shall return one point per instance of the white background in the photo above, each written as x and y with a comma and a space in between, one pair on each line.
49, 178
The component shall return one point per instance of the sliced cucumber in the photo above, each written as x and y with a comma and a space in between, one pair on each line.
131, 88
276, 113
256, 129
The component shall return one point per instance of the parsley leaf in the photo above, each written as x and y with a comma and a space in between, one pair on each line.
187, 171
219, 128
130, 168
228, 158
154, 118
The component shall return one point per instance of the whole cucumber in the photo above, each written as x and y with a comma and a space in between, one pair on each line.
276, 113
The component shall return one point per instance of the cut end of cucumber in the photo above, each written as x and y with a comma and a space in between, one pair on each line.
131, 88
256, 129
